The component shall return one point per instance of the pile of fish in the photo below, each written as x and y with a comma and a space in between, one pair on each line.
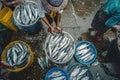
17, 55
59, 47
26, 13
84, 53
78, 72
43, 62
57, 75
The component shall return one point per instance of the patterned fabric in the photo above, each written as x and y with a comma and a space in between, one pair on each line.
55, 3
112, 7
50, 7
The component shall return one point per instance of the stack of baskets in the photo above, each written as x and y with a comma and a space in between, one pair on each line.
6, 18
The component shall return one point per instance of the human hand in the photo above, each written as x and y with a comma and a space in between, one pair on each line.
52, 30
59, 29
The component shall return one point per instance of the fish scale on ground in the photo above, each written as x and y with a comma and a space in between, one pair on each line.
59, 46
17, 55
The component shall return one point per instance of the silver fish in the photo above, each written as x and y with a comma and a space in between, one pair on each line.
19, 46
68, 42
18, 17
56, 48
47, 61
23, 60
56, 38
87, 55
89, 58
52, 56
55, 73
59, 78
85, 78
75, 72
26, 15
14, 55
40, 61
61, 55
23, 19
82, 46
83, 51
62, 44
32, 12
82, 72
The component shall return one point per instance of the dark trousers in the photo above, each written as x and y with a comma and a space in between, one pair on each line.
99, 20
50, 19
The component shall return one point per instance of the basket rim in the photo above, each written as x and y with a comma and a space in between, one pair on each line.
29, 60
95, 52
14, 18
54, 60
57, 69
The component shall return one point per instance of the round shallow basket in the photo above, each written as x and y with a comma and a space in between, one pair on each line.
64, 73
91, 46
46, 49
23, 26
71, 67
30, 60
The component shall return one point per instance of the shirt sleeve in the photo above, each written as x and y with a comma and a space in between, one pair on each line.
114, 19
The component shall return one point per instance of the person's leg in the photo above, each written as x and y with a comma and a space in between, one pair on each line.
49, 18
57, 21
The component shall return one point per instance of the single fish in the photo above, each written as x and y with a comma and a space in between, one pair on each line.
89, 58
47, 61
68, 42
87, 55
75, 72
23, 19
61, 55
55, 73
18, 17
26, 15
56, 38
30, 12
82, 46
14, 55
55, 49
59, 78
54, 54
62, 44
85, 78
85, 50
41, 63
82, 72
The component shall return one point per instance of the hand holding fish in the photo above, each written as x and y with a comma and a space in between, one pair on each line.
52, 30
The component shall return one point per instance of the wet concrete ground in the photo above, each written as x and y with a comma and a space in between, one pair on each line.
77, 27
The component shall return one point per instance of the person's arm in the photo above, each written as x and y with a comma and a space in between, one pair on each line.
58, 20
50, 27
